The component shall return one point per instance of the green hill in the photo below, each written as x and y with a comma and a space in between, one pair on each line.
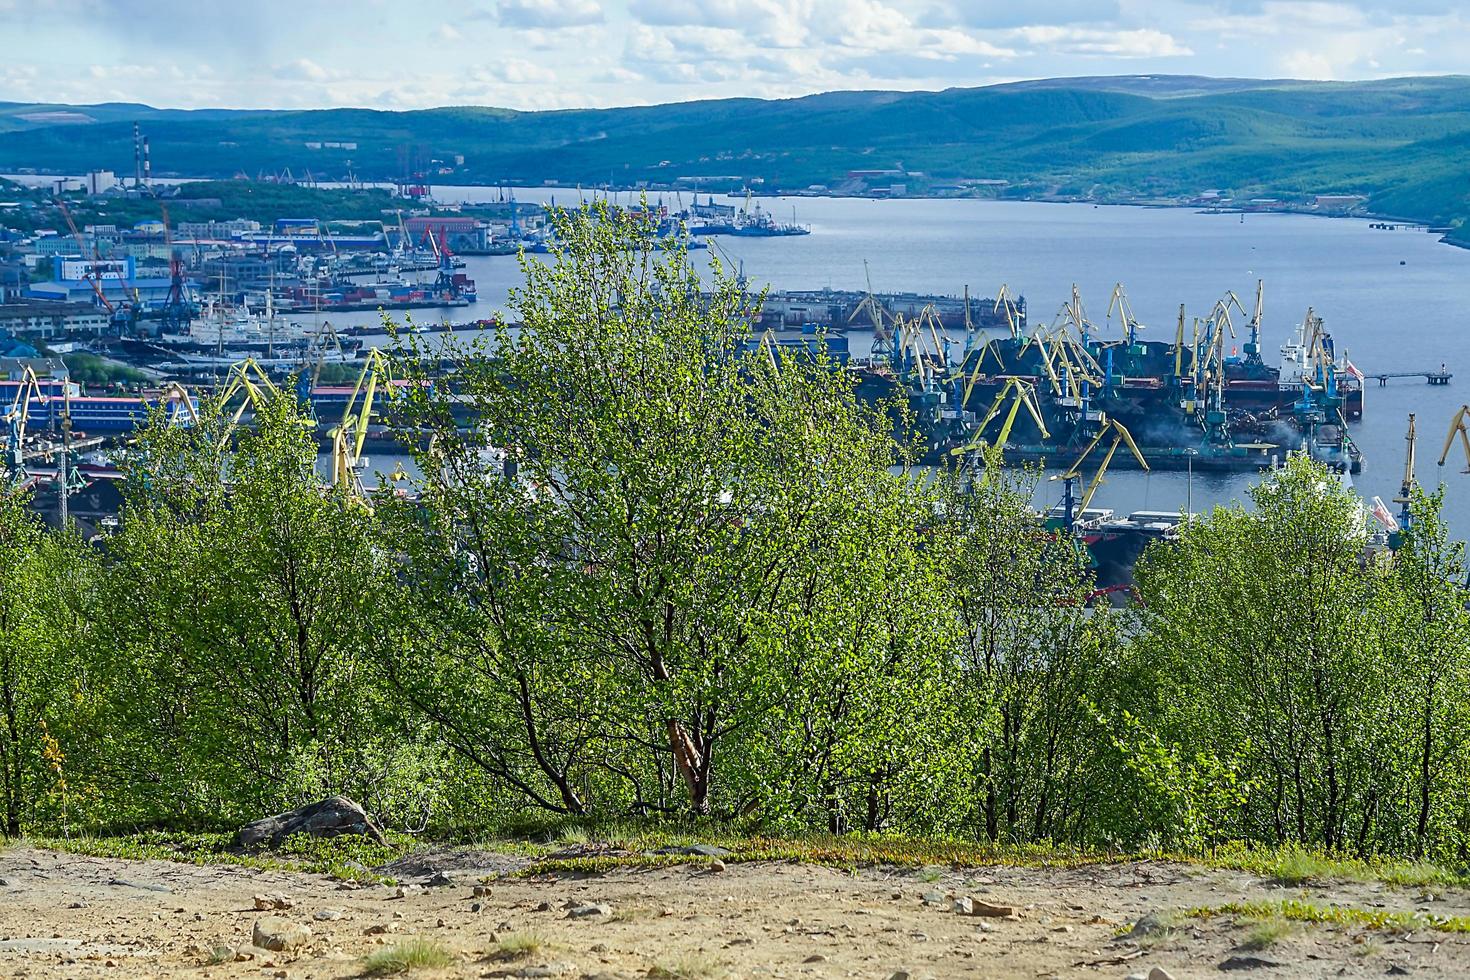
1398, 142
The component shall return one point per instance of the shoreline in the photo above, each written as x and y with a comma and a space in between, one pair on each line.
1444, 233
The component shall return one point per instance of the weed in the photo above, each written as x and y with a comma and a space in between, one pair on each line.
518, 946
686, 968
407, 956
1265, 932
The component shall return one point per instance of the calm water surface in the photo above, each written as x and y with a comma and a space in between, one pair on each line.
1395, 300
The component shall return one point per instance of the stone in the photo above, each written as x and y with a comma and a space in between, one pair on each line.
475, 906
1150, 924
899, 975
4, 882
589, 911
1159, 973
1062, 929
933, 898
815, 958
544, 907
1247, 963
439, 879
716, 864
336, 816
978, 907
545, 970
327, 915
964, 905
278, 935
78, 905
272, 901
481, 891
1398, 971
381, 928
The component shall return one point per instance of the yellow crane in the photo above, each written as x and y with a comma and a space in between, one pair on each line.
1021, 394
1119, 301
1458, 427
245, 378
348, 437
1004, 304
1074, 472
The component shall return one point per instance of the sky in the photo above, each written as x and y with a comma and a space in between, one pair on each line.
540, 54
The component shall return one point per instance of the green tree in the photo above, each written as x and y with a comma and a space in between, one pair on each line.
1263, 631
627, 614
47, 583
245, 594
1032, 661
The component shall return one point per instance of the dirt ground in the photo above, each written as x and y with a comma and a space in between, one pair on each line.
63, 915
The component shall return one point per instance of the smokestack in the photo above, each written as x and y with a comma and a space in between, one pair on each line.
137, 159
147, 166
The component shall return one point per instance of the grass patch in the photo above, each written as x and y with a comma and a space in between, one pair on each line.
342, 857
406, 957
518, 946
1293, 910
1263, 933
638, 847
686, 968
1293, 864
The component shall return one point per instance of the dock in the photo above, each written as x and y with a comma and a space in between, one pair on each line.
1440, 377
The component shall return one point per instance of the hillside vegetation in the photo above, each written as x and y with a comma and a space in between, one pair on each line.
713, 589
1397, 141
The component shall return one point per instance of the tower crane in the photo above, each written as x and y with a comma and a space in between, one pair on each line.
91, 276
1074, 472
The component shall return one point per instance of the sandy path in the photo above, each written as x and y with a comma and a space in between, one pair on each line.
64, 915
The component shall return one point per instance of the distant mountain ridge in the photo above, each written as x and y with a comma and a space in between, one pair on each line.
1397, 142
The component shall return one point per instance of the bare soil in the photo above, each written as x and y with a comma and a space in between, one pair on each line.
64, 915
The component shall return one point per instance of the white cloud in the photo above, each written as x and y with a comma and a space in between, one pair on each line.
549, 13
1092, 42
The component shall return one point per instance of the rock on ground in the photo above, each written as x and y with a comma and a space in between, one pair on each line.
336, 816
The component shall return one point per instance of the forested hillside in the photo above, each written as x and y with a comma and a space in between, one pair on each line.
1398, 141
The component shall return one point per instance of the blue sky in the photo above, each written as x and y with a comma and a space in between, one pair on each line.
534, 54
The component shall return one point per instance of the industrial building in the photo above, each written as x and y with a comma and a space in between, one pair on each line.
48, 320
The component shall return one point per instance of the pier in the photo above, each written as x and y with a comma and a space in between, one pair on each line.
1440, 377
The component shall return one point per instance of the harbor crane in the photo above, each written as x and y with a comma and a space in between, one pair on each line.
1021, 393
17, 416
348, 437
1406, 488
1459, 426
248, 379
1121, 435
1119, 301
